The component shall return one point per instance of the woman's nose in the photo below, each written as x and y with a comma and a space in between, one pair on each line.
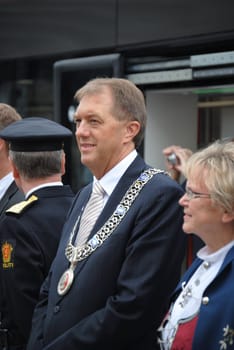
183, 200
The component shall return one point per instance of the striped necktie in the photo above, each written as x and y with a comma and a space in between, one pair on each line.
90, 214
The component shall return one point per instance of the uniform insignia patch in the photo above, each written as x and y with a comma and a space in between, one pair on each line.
21, 206
7, 255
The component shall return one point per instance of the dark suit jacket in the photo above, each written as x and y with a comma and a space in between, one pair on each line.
29, 241
12, 195
120, 291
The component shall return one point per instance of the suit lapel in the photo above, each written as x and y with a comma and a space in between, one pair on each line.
7, 196
131, 174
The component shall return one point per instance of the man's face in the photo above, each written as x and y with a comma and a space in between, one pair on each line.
101, 138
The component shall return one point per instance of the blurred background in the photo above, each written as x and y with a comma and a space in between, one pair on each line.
180, 53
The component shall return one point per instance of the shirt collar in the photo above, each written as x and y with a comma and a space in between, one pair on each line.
48, 184
112, 177
216, 256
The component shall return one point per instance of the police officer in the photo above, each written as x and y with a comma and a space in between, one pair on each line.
30, 232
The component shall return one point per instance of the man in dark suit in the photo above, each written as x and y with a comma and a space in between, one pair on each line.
30, 231
111, 291
9, 192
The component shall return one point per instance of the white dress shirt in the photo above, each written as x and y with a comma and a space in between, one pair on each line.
5, 183
112, 177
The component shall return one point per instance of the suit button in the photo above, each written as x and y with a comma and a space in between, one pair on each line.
205, 300
56, 309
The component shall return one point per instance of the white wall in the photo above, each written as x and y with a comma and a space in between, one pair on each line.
227, 122
172, 119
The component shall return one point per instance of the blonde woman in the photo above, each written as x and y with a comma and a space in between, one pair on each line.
201, 315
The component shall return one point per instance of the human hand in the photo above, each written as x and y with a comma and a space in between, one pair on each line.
182, 155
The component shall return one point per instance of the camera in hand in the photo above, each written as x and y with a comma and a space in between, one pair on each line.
172, 159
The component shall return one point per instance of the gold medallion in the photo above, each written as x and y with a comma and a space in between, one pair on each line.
65, 282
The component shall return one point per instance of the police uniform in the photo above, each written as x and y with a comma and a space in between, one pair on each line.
30, 232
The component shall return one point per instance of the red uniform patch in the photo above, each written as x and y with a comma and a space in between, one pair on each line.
7, 253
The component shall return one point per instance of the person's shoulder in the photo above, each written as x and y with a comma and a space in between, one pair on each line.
21, 207
13, 194
161, 175
163, 182
68, 190
230, 256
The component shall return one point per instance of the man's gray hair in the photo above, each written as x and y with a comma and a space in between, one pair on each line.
33, 165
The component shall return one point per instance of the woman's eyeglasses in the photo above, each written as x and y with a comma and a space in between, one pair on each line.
191, 194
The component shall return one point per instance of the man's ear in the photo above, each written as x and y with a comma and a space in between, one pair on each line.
14, 170
133, 128
63, 163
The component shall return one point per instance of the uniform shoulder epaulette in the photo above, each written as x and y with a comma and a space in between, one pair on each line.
21, 206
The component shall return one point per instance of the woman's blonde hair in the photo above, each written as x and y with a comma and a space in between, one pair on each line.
216, 163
